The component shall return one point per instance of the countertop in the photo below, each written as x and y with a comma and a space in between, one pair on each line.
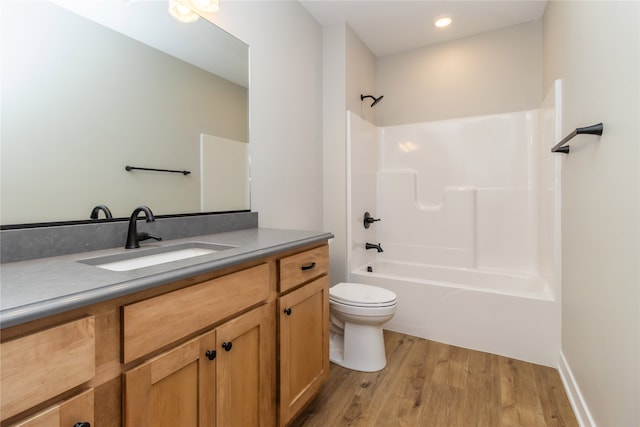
38, 288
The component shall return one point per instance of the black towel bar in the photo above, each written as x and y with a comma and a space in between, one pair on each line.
560, 147
130, 168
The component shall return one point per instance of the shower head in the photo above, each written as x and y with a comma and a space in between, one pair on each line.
375, 100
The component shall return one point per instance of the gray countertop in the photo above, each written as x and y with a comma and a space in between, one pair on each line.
38, 288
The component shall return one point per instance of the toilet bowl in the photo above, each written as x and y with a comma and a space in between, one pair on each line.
357, 314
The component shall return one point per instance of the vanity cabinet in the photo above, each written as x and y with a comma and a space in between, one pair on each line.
244, 345
303, 330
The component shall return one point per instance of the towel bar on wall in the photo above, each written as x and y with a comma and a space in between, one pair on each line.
560, 147
130, 168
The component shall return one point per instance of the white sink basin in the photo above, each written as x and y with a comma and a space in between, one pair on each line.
150, 257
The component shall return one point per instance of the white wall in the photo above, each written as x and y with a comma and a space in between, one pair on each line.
285, 99
334, 128
361, 77
493, 72
595, 47
348, 71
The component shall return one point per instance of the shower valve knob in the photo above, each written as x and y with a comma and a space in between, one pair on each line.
368, 219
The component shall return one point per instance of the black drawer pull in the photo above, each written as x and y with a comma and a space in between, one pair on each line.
211, 354
309, 266
227, 345
287, 311
82, 424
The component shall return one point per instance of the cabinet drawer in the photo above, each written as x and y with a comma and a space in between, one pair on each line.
153, 323
302, 267
77, 409
61, 357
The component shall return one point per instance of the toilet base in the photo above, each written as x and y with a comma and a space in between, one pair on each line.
336, 350
364, 350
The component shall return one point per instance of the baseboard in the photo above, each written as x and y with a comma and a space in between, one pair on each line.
580, 408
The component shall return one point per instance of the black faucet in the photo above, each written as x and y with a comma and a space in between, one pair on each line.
372, 246
133, 238
96, 210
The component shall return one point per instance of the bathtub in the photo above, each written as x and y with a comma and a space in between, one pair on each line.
508, 314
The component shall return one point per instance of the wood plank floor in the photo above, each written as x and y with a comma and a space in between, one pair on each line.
426, 383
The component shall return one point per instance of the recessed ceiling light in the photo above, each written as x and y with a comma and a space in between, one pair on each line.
442, 21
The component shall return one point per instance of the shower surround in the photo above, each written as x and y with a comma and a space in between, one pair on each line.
469, 226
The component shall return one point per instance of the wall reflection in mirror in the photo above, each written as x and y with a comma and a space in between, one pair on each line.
80, 101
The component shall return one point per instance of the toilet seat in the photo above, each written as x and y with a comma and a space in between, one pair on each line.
362, 305
359, 295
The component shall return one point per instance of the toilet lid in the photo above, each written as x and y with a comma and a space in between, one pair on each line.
361, 295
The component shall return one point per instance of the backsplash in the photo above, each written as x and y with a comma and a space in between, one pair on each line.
42, 242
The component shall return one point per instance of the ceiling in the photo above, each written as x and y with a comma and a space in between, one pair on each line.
392, 26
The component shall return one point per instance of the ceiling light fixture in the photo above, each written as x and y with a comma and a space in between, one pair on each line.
188, 11
442, 21
182, 12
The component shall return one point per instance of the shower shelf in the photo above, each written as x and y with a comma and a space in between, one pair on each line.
560, 147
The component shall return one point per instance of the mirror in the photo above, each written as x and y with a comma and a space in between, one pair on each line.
113, 84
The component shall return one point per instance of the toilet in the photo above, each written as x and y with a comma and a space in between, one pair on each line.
357, 314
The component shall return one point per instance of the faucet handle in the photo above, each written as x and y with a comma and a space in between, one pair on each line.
145, 236
368, 219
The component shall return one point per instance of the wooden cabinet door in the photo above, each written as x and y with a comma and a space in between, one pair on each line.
175, 388
304, 346
246, 370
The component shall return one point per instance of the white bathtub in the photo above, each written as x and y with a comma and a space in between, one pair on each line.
501, 313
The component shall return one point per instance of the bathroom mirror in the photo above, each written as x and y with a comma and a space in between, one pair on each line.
91, 87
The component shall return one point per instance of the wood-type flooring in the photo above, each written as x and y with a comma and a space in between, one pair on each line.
429, 384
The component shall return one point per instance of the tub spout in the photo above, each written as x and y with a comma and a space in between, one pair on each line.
372, 246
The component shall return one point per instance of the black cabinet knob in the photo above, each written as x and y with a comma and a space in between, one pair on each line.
82, 424
211, 354
287, 311
227, 345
